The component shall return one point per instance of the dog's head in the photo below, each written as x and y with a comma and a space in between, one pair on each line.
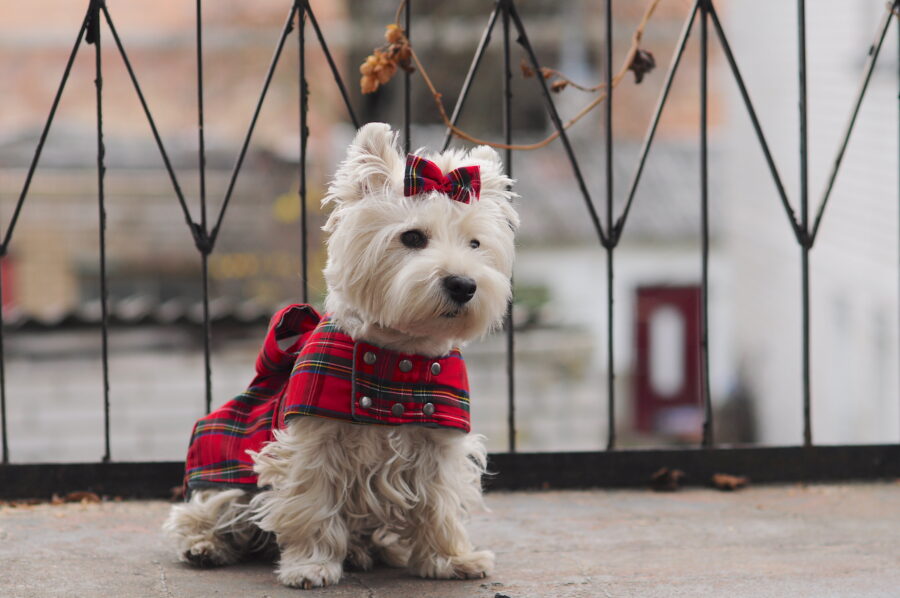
422, 265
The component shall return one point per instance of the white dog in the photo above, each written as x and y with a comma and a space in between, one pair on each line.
355, 428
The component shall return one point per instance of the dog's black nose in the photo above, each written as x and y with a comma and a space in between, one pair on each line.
460, 288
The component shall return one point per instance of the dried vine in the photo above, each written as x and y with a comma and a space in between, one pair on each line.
383, 63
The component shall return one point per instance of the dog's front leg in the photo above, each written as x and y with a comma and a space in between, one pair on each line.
449, 483
302, 506
312, 555
441, 549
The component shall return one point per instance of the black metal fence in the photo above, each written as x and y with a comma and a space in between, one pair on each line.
513, 470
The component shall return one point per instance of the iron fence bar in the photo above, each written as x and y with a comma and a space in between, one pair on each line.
44, 132
201, 134
94, 36
159, 143
3, 430
651, 131
705, 395
201, 236
207, 331
470, 75
874, 50
557, 122
608, 139
304, 136
407, 82
507, 139
898, 201
804, 216
286, 30
757, 128
7, 237
334, 70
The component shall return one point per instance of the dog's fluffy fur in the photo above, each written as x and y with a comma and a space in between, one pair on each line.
339, 493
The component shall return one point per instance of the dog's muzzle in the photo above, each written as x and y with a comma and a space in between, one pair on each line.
461, 289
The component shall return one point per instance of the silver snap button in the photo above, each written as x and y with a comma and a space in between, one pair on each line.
428, 408
397, 409
405, 365
365, 402
435, 368
369, 358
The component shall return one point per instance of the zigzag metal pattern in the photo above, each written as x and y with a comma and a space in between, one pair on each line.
609, 236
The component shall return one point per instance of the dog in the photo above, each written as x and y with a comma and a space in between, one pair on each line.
351, 445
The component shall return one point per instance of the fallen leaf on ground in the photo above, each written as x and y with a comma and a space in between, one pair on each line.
77, 496
176, 493
82, 497
24, 502
724, 481
666, 480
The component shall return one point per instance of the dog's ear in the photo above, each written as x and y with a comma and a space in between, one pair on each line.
496, 187
493, 179
373, 164
494, 182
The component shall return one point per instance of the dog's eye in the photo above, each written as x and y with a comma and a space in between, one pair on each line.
414, 239
474, 243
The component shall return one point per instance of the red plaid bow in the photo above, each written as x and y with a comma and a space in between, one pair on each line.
422, 176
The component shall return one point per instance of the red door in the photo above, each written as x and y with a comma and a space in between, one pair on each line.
9, 295
667, 370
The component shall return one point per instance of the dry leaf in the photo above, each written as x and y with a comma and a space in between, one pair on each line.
368, 84
80, 496
382, 64
666, 480
176, 493
23, 502
393, 34
723, 481
547, 72
642, 63
527, 71
559, 85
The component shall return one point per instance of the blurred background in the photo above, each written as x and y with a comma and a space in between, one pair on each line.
51, 274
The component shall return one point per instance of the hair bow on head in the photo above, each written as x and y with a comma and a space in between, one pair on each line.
462, 184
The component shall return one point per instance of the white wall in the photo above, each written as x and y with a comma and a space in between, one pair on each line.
854, 265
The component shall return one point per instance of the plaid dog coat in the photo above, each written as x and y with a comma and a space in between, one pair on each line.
323, 373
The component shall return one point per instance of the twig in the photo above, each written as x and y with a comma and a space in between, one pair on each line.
400, 8
626, 65
549, 73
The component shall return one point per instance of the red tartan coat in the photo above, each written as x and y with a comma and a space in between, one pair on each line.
323, 373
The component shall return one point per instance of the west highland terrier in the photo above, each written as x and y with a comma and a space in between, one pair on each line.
351, 444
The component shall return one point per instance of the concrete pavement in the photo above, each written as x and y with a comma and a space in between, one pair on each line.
817, 541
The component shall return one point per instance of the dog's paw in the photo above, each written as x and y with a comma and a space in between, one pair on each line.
472, 565
207, 553
394, 555
390, 549
306, 575
358, 558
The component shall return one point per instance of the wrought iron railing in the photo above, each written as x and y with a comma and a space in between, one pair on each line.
514, 470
